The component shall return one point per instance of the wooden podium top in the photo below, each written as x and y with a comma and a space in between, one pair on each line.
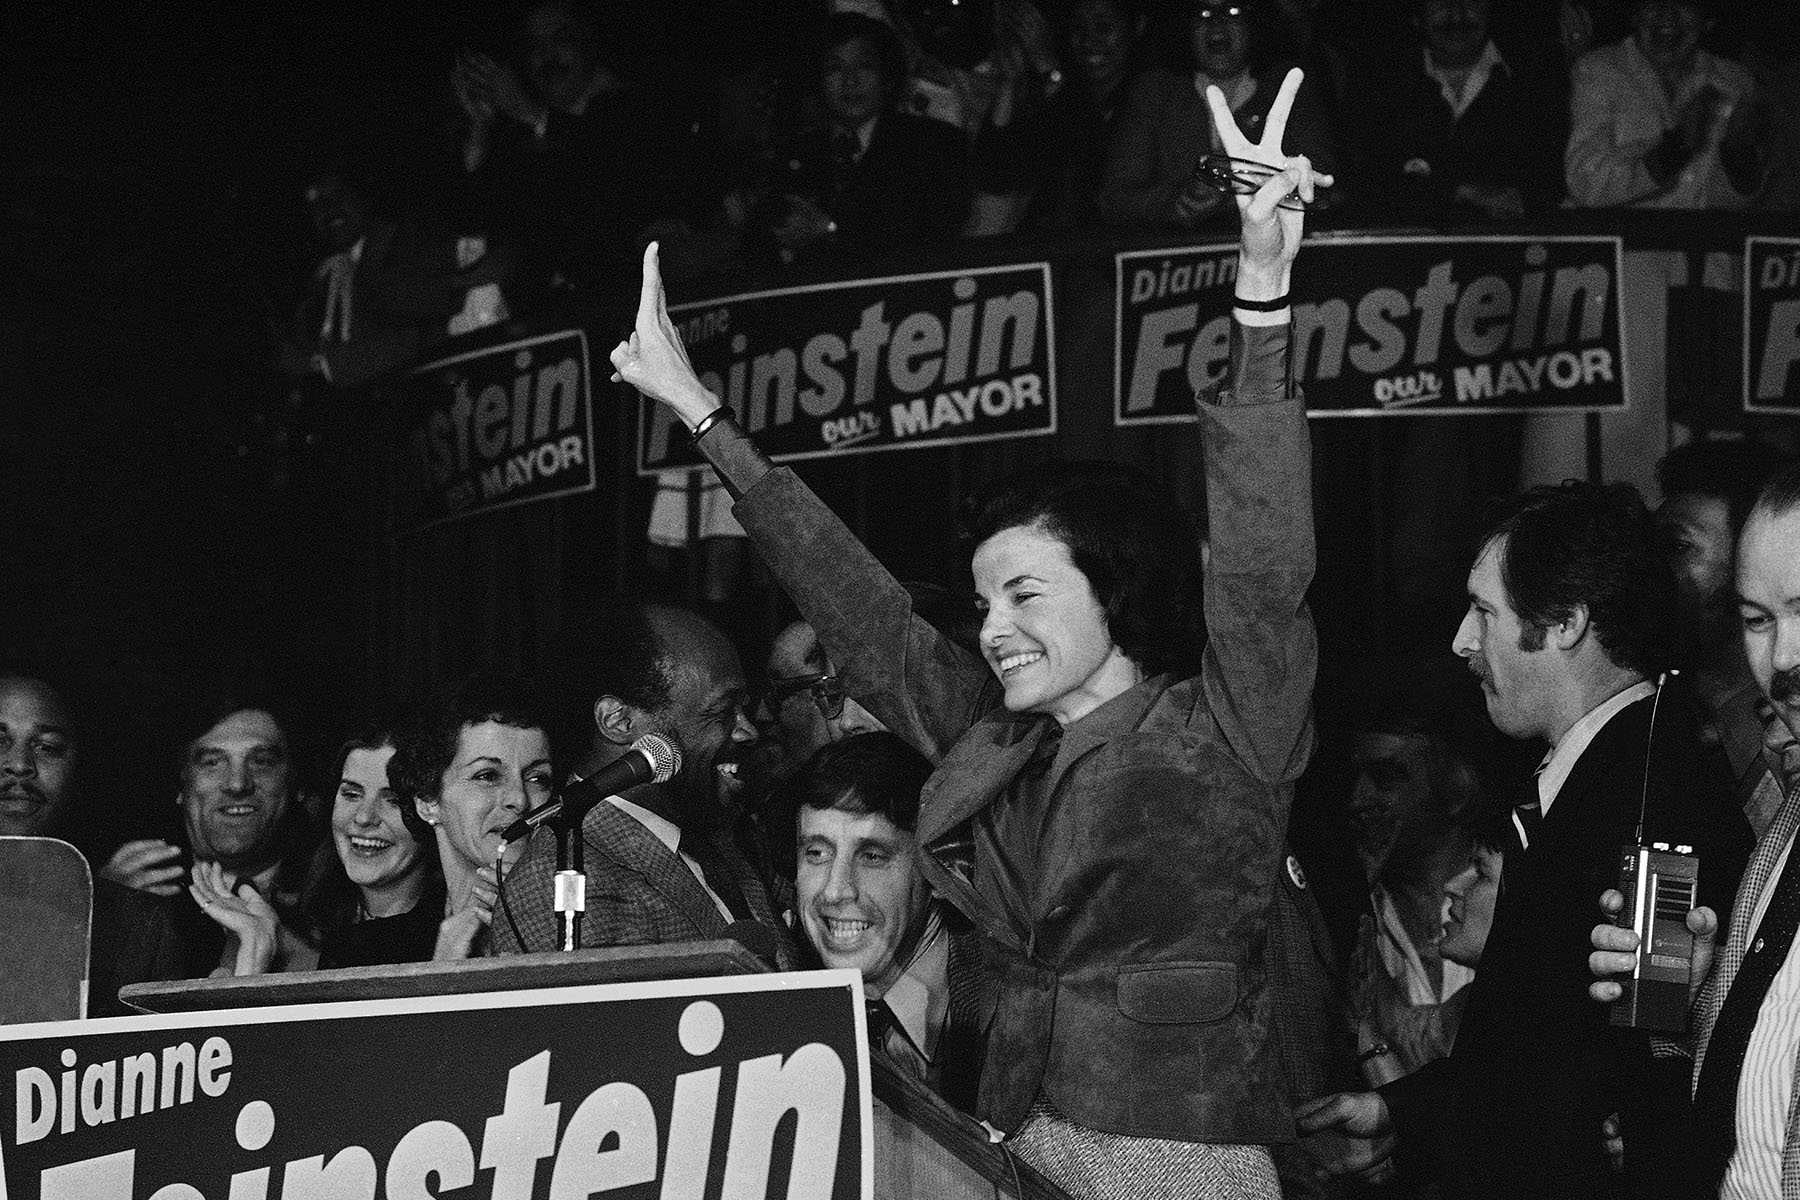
513, 972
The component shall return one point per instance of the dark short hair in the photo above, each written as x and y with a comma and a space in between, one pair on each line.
1125, 536
1491, 828
1734, 472
1591, 545
605, 651
427, 744
864, 773
841, 27
224, 696
1781, 494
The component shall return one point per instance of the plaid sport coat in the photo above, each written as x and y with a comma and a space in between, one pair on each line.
639, 893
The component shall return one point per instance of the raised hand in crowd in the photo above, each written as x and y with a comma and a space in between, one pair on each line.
243, 912
490, 84
1615, 949
1024, 52
146, 865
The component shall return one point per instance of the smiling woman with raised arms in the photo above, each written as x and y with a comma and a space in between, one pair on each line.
1112, 821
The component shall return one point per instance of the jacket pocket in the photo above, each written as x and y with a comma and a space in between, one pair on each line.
1178, 993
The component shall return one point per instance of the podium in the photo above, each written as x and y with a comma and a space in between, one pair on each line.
516, 972
46, 911
924, 1149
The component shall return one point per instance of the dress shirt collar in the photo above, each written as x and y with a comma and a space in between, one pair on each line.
1566, 753
665, 831
921, 996
1473, 81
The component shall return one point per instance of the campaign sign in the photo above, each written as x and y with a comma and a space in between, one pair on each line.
1771, 324
495, 427
871, 364
695, 1089
1387, 326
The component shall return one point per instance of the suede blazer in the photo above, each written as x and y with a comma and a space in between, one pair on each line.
1514, 1111
1136, 995
639, 893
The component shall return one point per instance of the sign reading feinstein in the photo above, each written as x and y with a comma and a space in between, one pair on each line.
494, 427
750, 1086
1772, 325
1388, 326
872, 364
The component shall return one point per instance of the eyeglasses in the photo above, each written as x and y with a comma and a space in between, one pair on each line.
827, 693
1218, 12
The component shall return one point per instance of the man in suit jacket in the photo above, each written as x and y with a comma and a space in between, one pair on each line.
865, 905
1750, 1144
1567, 601
1453, 130
658, 857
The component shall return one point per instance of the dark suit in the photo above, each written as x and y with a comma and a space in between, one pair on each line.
639, 893
1417, 152
910, 185
1135, 994
1516, 1109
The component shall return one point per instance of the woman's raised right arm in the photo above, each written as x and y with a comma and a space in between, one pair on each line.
919, 683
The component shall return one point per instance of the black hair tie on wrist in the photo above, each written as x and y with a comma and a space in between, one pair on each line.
709, 420
1276, 305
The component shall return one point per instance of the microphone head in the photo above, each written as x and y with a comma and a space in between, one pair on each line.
665, 759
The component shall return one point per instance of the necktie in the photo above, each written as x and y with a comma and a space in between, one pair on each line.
337, 272
888, 1038
1528, 818
1715, 1096
1528, 813
719, 875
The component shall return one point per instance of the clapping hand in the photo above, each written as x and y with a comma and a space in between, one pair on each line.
146, 865
241, 909
482, 83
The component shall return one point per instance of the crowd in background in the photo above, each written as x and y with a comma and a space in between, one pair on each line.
227, 838
831, 138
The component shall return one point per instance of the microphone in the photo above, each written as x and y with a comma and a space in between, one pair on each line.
651, 759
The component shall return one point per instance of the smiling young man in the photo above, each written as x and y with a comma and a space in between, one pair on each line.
1565, 630
864, 905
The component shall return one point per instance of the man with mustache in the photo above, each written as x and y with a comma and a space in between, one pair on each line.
1746, 1023
658, 859
1566, 629
37, 755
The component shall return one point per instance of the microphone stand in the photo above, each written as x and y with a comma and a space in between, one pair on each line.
571, 881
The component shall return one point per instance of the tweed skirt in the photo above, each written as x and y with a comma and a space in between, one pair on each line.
1091, 1165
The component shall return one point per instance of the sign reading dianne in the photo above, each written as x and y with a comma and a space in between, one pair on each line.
745, 1087
494, 427
877, 364
1772, 324
1388, 325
